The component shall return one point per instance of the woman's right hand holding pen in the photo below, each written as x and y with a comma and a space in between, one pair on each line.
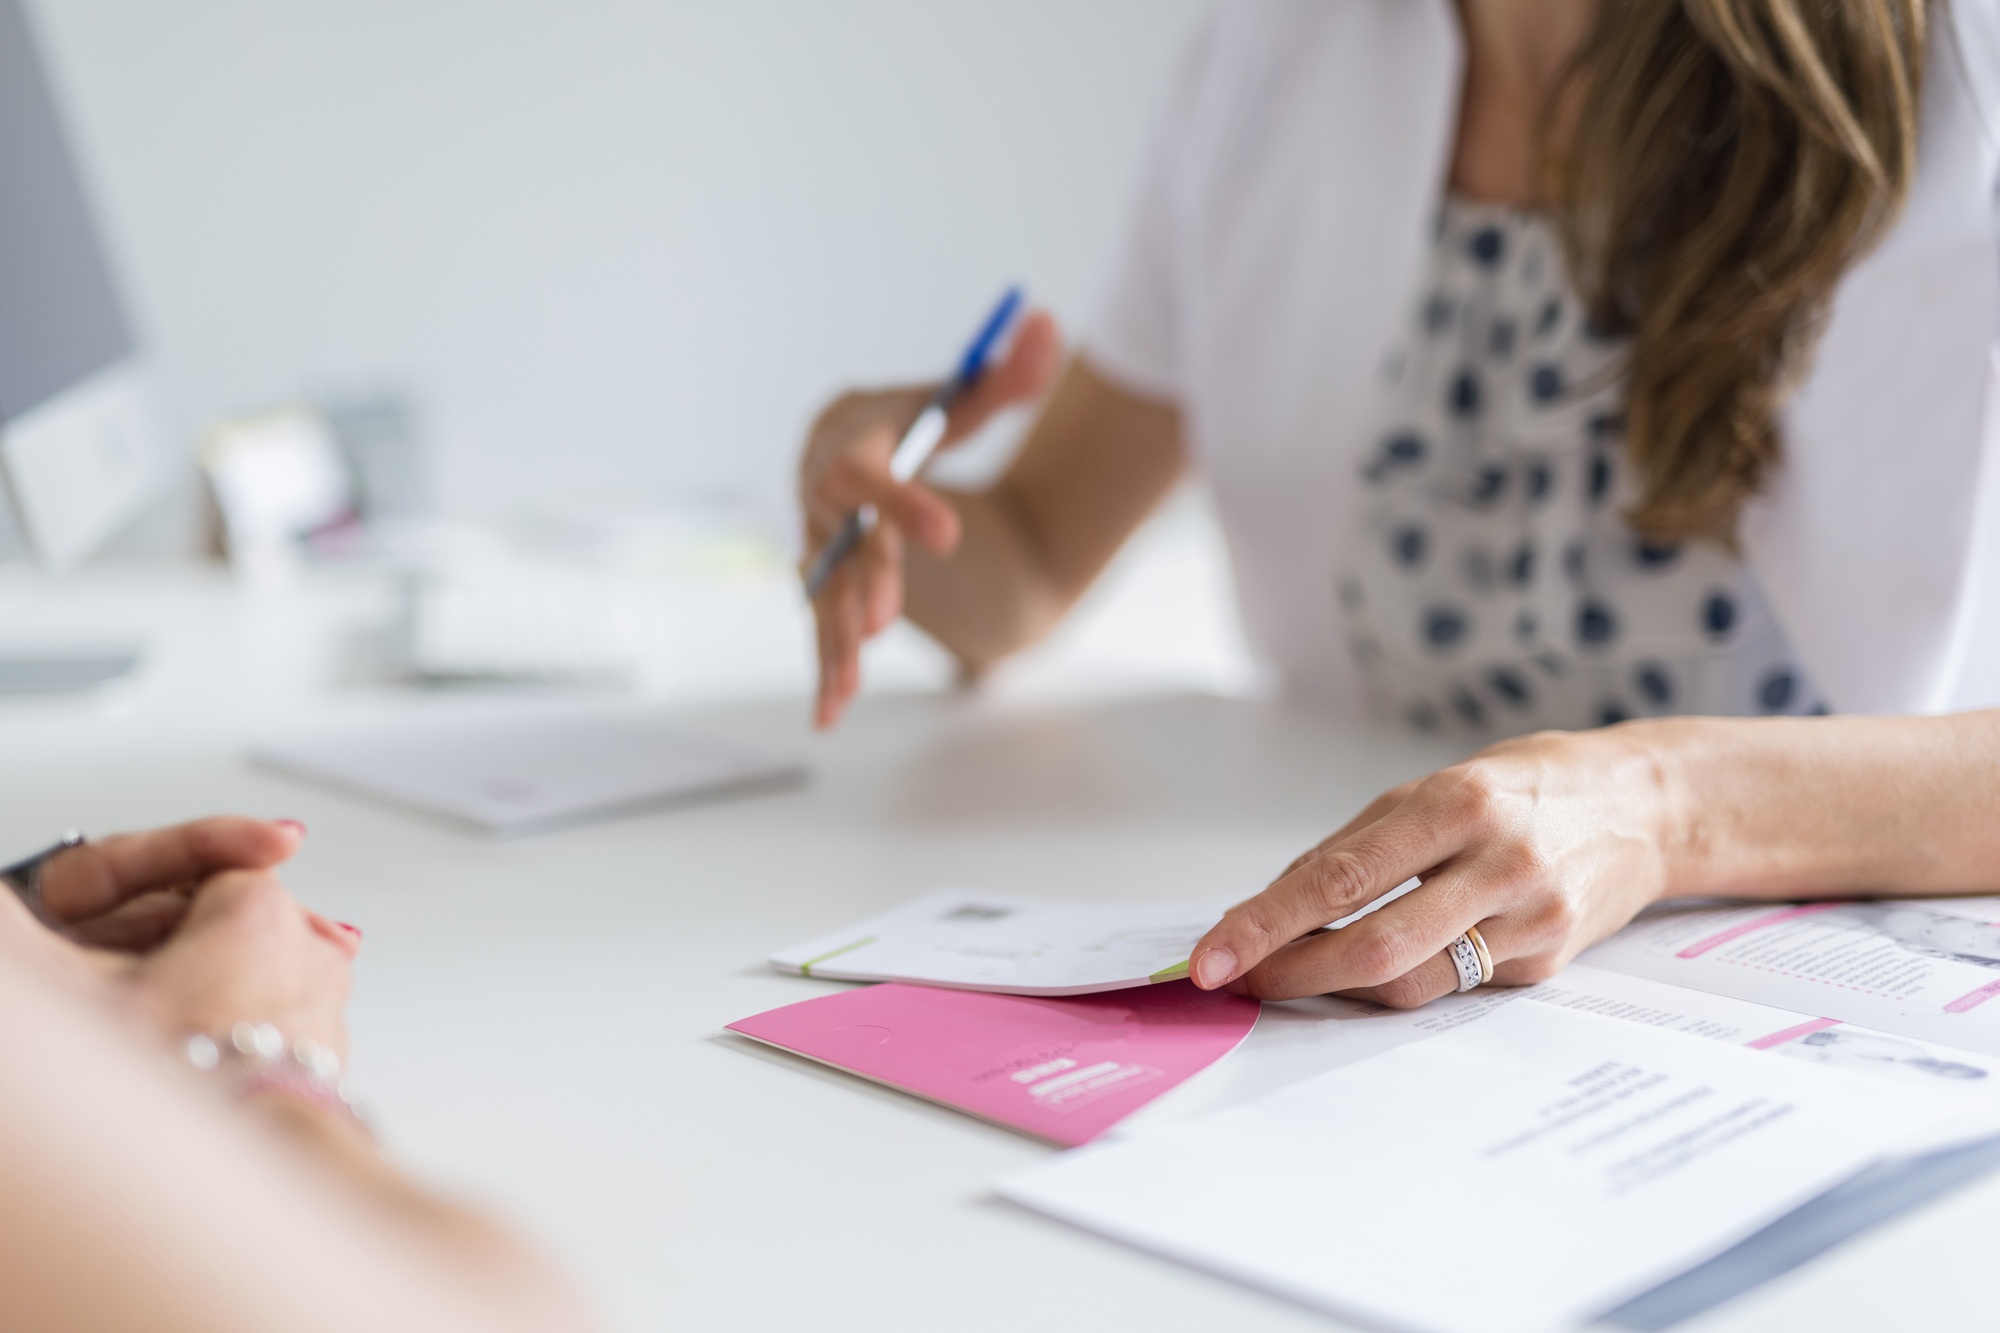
846, 466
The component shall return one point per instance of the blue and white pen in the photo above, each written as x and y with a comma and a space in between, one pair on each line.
921, 440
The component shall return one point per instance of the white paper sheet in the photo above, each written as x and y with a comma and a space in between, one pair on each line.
966, 940
1925, 971
1298, 1039
1524, 1171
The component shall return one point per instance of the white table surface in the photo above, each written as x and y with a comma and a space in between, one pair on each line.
537, 1024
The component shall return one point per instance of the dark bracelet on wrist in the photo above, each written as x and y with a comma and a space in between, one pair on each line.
24, 877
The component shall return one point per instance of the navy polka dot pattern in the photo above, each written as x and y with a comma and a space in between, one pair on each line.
1598, 479
1537, 478
1444, 628
1777, 689
1648, 555
1488, 581
1596, 624
1510, 685
1465, 395
1718, 614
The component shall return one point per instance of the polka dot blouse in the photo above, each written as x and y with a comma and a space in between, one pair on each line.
1489, 583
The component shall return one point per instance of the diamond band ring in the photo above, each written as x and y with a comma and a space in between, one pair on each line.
1473, 960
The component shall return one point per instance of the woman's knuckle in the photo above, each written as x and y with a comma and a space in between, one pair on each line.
1256, 930
1339, 882
1560, 918
1379, 957
1404, 992
1532, 971
1473, 797
1524, 862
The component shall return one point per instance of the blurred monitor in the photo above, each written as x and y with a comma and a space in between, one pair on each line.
76, 436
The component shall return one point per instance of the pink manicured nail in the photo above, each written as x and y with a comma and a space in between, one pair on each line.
1214, 968
355, 931
294, 825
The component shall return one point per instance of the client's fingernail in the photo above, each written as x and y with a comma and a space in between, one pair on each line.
294, 825
1214, 968
355, 931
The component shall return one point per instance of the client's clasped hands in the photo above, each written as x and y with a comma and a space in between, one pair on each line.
193, 932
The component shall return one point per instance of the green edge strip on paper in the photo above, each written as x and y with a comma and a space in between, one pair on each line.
1175, 973
806, 968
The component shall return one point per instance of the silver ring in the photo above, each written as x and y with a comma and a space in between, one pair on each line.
1474, 963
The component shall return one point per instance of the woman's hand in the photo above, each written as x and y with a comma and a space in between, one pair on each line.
246, 951
128, 892
1547, 844
846, 466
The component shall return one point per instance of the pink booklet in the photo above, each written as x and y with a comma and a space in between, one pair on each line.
1064, 1070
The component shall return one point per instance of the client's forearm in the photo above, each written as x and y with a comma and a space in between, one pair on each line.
1788, 807
513, 1277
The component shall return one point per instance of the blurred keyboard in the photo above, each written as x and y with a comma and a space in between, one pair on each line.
524, 627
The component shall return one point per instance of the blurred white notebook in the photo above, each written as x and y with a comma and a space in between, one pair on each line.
964, 940
513, 771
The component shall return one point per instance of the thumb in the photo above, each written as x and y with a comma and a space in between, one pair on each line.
1033, 359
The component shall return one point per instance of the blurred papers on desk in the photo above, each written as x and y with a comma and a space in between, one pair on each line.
1527, 1172
1062, 1070
511, 770
967, 940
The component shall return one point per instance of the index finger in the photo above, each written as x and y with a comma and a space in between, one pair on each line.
1337, 882
1031, 363
97, 876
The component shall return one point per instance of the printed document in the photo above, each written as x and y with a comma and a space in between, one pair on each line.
1920, 970
1524, 1171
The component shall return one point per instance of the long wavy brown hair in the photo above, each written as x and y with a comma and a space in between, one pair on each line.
1726, 162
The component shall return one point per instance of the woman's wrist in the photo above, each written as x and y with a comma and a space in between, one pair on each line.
1778, 807
1681, 754
256, 1062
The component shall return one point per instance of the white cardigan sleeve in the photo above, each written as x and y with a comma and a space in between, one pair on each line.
1879, 545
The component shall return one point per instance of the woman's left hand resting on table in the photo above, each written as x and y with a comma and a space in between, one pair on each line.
1553, 841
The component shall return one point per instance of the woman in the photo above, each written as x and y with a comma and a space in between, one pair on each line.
238, 1191
1552, 362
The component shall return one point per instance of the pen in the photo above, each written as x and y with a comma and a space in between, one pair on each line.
921, 440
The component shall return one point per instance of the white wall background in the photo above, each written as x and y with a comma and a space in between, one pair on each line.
620, 247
